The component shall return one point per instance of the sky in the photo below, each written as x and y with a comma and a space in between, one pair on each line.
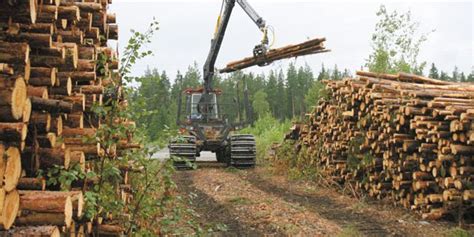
187, 26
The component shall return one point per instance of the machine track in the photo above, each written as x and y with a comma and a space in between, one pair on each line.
184, 148
243, 151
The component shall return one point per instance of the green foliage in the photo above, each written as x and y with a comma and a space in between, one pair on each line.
134, 50
58, 175
470, 78
154, 208
298, 83
396, 43
150, 103
267, 131
456, 76
336, 74
444, 76
260, 104
151, 185
318, 91
433, 72
91, 203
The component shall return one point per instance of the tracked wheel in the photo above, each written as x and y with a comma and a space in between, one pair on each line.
243, 151
221, 156
184, 148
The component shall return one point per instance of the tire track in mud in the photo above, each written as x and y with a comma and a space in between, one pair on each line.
325, 207
211, 211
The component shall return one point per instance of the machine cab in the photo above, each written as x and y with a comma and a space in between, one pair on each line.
199, 108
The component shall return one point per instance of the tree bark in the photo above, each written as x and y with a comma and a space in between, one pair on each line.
14, 53
40, 92
24, 11
54, 51
78, 101
52, 106
44, 72
33, 39
13, 132
71, 13
59, 219
57, 125
41, 28
32, 184
46, 202
113, 32
79, 76
90, 89
47, 141
64, 88
90, 150
41, 121
75, 120
87, 52
73, 132
86, 65
110, 230
49, 157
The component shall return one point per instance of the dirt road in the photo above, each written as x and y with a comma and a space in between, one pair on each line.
256, 203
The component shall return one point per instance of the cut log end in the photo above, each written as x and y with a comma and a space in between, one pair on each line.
12, 169
10, 210
15, 97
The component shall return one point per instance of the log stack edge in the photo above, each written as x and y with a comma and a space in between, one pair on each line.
50, 77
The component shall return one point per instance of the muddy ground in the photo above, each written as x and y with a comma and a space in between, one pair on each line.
255, 202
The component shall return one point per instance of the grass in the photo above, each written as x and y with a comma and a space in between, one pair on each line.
360, 206
291, 229
457, 232
240, 201
232, 170
350, 231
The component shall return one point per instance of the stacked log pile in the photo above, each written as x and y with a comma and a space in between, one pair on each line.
54, 65
401, 137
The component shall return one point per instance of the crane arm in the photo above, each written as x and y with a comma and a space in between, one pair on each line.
253, 14
216, 42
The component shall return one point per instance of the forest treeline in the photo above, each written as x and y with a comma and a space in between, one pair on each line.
282, 94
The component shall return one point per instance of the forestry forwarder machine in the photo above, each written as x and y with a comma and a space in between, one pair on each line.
205, 127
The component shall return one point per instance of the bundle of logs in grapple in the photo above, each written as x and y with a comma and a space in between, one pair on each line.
403, 137
54, 65
313, 46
